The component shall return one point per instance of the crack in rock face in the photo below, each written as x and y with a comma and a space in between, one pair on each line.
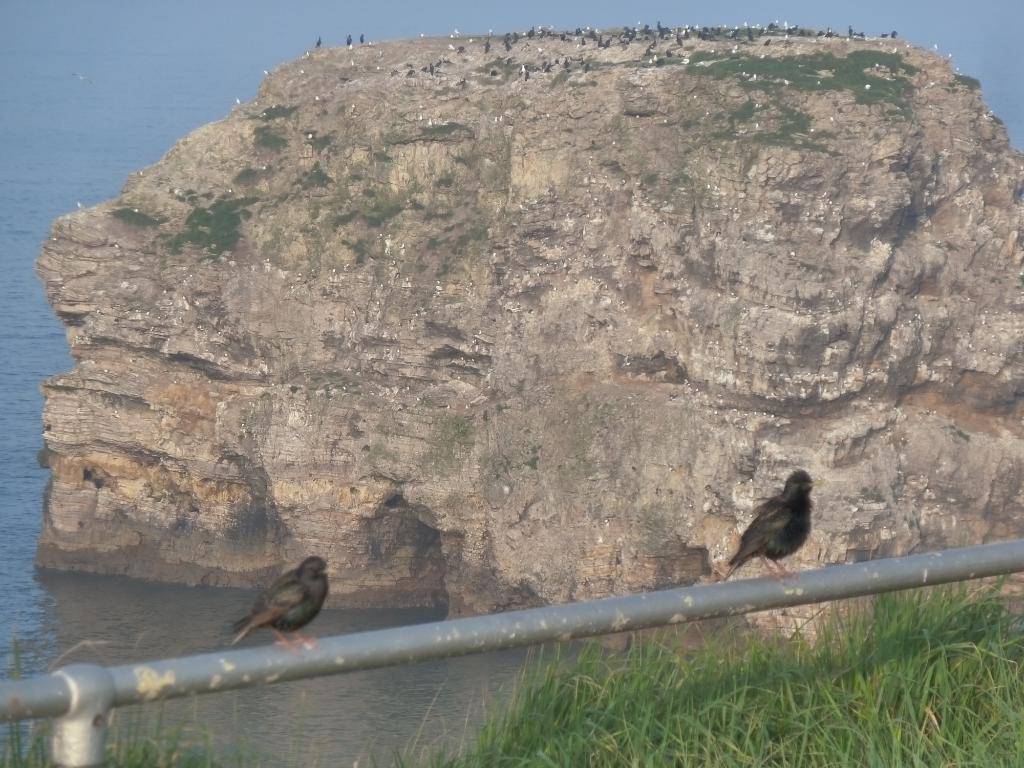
491, 342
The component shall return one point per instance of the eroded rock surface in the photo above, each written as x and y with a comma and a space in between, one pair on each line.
496, 341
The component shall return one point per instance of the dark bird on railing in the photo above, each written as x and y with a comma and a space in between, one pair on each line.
779, 528
288, 604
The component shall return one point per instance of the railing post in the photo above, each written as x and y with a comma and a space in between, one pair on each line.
80, 736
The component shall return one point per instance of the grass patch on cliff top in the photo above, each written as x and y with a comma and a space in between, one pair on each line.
926, 678
871, 76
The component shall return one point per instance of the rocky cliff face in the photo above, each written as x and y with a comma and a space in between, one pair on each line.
496, 341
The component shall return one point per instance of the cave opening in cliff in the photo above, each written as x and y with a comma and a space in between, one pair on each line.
404, 545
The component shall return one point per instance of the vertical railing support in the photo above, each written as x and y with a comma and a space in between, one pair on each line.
80, 736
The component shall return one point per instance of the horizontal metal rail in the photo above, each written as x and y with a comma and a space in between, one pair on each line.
82, 695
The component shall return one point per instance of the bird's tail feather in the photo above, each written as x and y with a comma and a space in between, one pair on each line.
739, 558
244, 626
241, 628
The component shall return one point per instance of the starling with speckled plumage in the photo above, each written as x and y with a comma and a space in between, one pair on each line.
290, 603
780, 526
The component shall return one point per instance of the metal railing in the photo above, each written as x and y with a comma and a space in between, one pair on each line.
81, 696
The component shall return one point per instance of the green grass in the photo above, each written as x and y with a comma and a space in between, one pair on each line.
929, 678
247, 175
885, 73
214, 229
376, 209
273, 113
268, 138
130, 744
135, 217
968, 82
503, 70
315, 177
360, 247
792, 129
320, 143
448, 444
382, 207
445, 180
442, 131
158, 748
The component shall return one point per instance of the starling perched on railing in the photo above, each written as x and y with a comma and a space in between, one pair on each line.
288, 604
779, 528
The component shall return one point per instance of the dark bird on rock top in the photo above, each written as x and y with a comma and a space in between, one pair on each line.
288, 604
780, 526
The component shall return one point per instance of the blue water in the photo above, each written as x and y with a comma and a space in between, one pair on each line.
152, 71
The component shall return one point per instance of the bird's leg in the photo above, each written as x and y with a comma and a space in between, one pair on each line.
783, 570
722, 573
778, 571
308, 643
284, 641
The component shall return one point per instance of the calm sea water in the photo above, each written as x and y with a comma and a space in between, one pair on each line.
92, 91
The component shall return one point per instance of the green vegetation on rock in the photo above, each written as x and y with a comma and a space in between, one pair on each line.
376, 208
500, 69
360, 247
268, 138
445, 130
871, 76
789, 127
450, 131
315, 177
450, 439
380, 208
135, 217
272, 113
968, 82
248, 175
214, 229
445, 180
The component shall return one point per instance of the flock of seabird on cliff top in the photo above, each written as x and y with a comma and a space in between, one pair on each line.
583, 37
